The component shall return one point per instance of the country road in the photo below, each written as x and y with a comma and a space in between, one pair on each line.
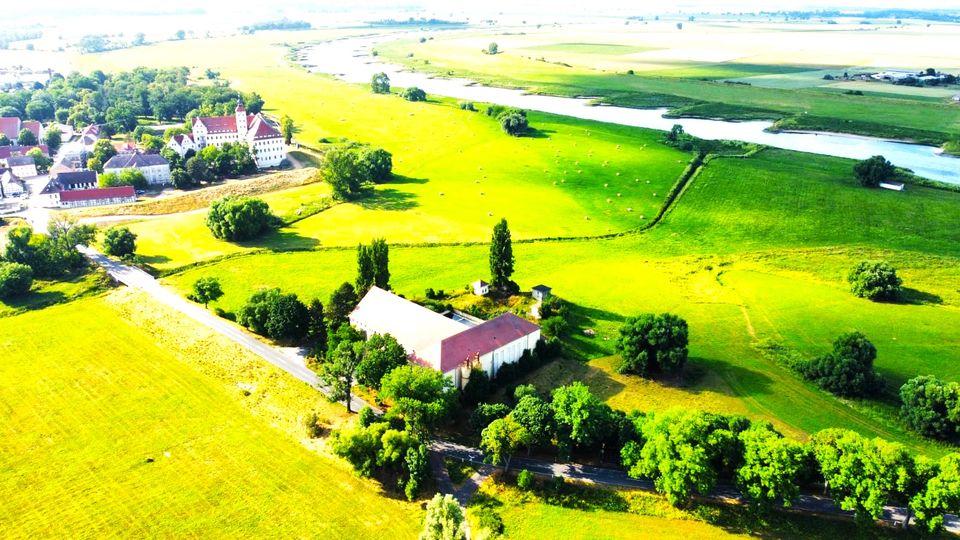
294, 364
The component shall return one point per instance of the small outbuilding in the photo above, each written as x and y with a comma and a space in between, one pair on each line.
480, 287
540, 293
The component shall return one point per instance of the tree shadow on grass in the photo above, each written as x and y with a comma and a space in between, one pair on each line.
401, 179
744, 382
534, 133
585, 347
282, 240
389, 199
918, 298
34, 300
153, 259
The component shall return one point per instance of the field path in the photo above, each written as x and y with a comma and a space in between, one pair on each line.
293, 363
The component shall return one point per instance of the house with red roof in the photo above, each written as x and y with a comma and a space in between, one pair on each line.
181, 144
255, 130
10, 126
35, 127
96, 197
453, 346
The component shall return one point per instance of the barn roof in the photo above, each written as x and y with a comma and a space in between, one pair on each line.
484, 338
134, 160
97, 194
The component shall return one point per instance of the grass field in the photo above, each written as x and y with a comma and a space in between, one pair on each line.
583, 512
126, 421
781, 66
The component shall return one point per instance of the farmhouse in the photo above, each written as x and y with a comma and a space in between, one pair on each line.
444, 344
181, 144
154, 167
22, 166
263, 138
96, 197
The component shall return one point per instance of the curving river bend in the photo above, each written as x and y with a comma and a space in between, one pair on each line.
350, 60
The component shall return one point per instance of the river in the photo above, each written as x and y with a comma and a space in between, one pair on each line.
350, 60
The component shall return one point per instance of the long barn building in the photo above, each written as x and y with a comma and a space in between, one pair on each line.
447, 345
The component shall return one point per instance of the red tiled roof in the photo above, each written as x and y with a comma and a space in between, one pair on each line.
33, 126
10, 126
221, 124
7, 151
265, 130
97, 194
482, 339
181, 137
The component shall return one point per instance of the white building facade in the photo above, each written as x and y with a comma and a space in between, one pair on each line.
154, 167
254, 130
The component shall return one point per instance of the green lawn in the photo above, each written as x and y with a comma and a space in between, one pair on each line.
107, 434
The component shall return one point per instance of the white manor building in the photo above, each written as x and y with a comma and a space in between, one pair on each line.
260, 134
155, 169
450, 346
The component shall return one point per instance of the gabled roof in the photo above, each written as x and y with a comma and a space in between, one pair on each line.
76, 178
10, 126
474, 342
97, 194
221, 124
542, 288
416, 328
479, 283
182, 137
19, 161
134, 160
33, 126
262, 129
7, 151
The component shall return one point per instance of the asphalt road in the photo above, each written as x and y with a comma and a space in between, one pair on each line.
293, 363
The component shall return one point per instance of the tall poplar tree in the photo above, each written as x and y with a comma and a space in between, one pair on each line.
501, 255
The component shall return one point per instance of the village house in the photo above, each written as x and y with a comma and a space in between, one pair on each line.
154, 167
10, 126
96, 197
451, 346
480, 287
181, 144
89, 137
34, 127
10, 184
21, 166
15, 150
263, 138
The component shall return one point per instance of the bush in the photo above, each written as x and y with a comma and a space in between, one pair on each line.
555, 326
525, 480
513, 122
931, 406
314, 429
119, 242
871, 171
467, 106
15, 279
275, 315
490, 521
652, 343
875, 280
848, 369
414, 94
240, 218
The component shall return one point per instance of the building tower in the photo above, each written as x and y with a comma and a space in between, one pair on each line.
241, 114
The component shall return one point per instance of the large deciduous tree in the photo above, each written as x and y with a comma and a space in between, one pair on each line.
444, 519
848, 369
652, 344
422, 397
341, 304
501, 439
119, 242
339, 371
931, 406
772, 466
582, 419
381, 354
871, 171
875, 280
206, 290
380, 83
239, 218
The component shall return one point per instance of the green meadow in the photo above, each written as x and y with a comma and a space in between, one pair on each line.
125, 421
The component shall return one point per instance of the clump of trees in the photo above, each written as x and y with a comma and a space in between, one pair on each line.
50, 255
678, 138
871, 171
875, 280
380, 83
848, 369
512, 121
349, 169
276, 315
651, 344
381, 450
119, 242
501, 258
240, 218
15, 280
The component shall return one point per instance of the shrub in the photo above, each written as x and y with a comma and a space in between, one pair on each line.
848, 369
414, 94
931, 406
652, 343
467, 106
490, 521
314, 429
525, 480
119, 242
871, 171
514, 122
15, 279
875, 280
240, 218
